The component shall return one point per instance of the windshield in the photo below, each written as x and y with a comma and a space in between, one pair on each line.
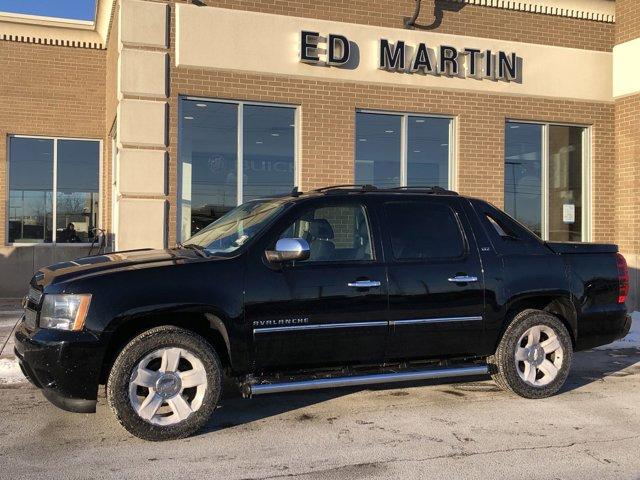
231, 231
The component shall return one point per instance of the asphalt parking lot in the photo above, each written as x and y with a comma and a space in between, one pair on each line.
437, 430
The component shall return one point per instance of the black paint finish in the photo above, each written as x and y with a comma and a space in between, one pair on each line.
237, 296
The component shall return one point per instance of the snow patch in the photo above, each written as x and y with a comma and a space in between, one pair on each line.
10, 372
632, 340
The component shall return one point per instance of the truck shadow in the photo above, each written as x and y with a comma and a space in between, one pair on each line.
233, 411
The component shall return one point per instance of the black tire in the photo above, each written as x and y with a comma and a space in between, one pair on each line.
137, 349
505, 369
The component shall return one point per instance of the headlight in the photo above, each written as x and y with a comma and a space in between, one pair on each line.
64, 312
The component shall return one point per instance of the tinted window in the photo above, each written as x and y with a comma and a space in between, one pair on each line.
523, 174
77, 191
336, 233
423, 230
31, 189
33, 200
378, 149
211, 160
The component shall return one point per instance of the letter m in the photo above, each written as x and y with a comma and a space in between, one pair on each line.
392, 57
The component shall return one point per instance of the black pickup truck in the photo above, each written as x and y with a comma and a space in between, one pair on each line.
342, 286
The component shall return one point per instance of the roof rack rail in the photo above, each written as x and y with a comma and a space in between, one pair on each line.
428, 189
359, 187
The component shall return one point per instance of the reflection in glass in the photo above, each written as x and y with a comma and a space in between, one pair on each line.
565, 183
523, 174
268, 149
77, 190
236, 227
378, 149
30, 190
209, 152
428, 152
210, 158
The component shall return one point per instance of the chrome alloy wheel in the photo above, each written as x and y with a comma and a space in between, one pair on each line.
539, 355
167, 386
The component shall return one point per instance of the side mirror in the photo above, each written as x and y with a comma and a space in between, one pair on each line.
289, 250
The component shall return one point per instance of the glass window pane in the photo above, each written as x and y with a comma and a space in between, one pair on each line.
336, 233
77, 190
523, 174
428, 152
209, 156
268, 151
378, 149
423, 231
565, 183
30, 190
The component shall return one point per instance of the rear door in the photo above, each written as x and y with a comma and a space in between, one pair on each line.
328, 310
436, 288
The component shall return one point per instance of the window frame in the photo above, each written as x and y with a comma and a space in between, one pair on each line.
466, 247
587, 172
240, 147
452, 173
54, 188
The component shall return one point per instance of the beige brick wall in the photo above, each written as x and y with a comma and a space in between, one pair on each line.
628, 141
444, 16
328, 127
48, 90
627, 20
328, 108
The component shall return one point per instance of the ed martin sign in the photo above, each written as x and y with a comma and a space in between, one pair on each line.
338, 51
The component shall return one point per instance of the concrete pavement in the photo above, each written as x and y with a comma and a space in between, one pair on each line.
591, 430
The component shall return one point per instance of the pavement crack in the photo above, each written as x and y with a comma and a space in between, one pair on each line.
440, 457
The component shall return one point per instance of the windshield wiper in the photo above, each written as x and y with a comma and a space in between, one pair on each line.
203, 252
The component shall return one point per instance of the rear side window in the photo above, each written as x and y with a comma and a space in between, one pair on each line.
423, 231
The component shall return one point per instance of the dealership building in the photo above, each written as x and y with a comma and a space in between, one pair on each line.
159, 116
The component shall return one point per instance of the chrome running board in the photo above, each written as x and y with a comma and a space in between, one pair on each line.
357, 380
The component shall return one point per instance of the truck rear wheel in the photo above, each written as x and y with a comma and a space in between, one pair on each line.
165, 384
534, 356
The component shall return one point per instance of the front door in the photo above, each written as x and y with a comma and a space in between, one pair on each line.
329, 310
436, 288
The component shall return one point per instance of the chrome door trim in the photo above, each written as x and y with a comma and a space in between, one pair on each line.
463, 279
322, 326
364, 284
419, 321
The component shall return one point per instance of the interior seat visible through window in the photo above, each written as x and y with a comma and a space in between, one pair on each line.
334, 233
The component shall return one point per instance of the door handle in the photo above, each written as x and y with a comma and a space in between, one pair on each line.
463, 279
364, 284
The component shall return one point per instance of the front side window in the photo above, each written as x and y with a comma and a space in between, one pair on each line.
545, 180
44, 207
232, 153
423, 231
394, 150
334, 233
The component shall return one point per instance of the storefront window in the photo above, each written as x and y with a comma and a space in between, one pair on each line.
378, 149
33, 186
523, 174
232, 153
402, 150
545, 184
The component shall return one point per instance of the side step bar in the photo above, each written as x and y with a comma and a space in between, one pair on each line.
355, 380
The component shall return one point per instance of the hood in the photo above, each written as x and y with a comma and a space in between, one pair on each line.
64, 271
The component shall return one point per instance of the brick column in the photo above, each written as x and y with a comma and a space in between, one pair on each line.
626, 88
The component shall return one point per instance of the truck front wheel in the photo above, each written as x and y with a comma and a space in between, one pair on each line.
534, 356
165, 384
